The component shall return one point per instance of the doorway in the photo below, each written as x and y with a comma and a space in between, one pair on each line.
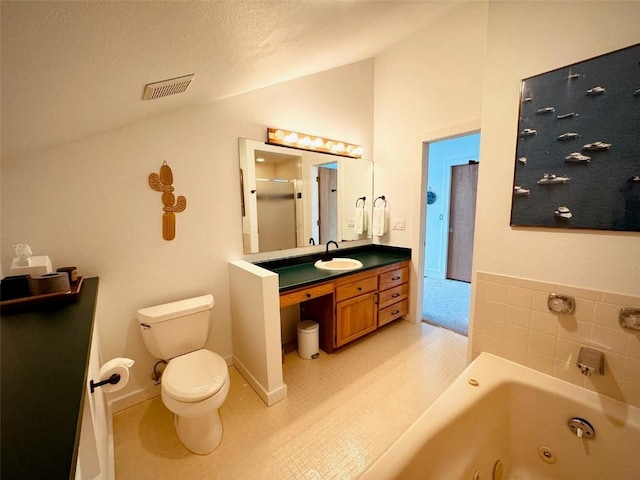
452, 173
328, 202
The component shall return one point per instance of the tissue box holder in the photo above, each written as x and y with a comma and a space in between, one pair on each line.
38, 265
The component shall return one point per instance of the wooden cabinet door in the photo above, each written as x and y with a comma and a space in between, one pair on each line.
355, 317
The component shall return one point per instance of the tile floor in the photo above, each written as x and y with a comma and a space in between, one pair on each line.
342, 411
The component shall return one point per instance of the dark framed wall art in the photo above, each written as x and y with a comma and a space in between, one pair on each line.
577, 159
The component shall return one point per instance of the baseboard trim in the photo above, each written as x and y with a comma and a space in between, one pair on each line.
268, 397
134, 398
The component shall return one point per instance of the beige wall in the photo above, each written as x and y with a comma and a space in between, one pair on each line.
465, 74
519, 267
562, 33
426, 88
88, 203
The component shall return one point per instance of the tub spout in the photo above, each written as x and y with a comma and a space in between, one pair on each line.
590, 361
586, 370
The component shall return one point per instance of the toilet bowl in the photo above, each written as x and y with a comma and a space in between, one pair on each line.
195, 382
193, 387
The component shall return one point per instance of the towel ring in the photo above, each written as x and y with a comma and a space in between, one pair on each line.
364, 201
378, 198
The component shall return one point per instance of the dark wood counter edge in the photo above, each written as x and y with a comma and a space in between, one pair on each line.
64, 465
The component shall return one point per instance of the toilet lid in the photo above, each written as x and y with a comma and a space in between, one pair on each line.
194, 376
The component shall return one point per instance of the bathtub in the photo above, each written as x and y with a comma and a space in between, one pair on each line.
502, 421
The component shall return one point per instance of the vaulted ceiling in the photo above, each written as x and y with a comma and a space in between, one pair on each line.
77, 68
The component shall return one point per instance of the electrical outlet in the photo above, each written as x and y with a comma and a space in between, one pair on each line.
398, 224
350, 222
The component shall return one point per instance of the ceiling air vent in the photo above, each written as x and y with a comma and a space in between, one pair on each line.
167, 87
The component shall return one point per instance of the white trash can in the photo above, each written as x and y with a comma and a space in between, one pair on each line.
308, 332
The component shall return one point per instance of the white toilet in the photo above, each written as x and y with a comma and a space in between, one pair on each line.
195, 383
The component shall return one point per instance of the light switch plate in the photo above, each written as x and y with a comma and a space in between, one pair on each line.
398, 224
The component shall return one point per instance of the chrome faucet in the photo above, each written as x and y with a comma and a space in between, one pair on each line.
590, 361
327, 257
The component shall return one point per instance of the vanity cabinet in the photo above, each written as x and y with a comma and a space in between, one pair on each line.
393, 287
356, 306
346, 305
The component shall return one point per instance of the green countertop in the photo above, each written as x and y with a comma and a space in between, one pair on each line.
45, 352
296, 272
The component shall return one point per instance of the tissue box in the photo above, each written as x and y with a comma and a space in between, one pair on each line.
38, 266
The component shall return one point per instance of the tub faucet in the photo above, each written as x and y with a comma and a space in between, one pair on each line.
327, 257
590, 361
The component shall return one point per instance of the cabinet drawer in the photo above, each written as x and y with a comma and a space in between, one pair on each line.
393, 312
359, 287
394, 278
393, 295
356, 277
299, 296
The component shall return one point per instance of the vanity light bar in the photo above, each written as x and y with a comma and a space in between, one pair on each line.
304, 141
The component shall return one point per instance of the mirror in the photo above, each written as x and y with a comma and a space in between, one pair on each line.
295, 198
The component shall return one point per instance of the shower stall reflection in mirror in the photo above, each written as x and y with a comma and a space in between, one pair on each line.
452, 174
280, 210
277, 213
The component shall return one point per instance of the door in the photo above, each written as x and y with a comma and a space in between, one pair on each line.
328, 203
462, 213
355, 317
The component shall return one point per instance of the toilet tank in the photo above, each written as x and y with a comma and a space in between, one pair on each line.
176, 328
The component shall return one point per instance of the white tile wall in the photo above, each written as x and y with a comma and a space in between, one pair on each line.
511, 319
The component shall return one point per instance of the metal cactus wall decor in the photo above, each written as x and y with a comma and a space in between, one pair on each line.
162, 183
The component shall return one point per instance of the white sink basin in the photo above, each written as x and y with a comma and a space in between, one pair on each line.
339, 264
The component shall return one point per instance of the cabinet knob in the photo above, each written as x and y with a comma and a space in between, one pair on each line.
395, 295
359, 289
396, 278
308, 295
395, 312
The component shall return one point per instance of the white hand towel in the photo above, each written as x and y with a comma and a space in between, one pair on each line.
379, 220
359, 221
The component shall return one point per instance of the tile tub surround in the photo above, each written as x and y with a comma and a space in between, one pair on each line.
511, 319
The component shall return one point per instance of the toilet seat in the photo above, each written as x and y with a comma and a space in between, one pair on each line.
195, 376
